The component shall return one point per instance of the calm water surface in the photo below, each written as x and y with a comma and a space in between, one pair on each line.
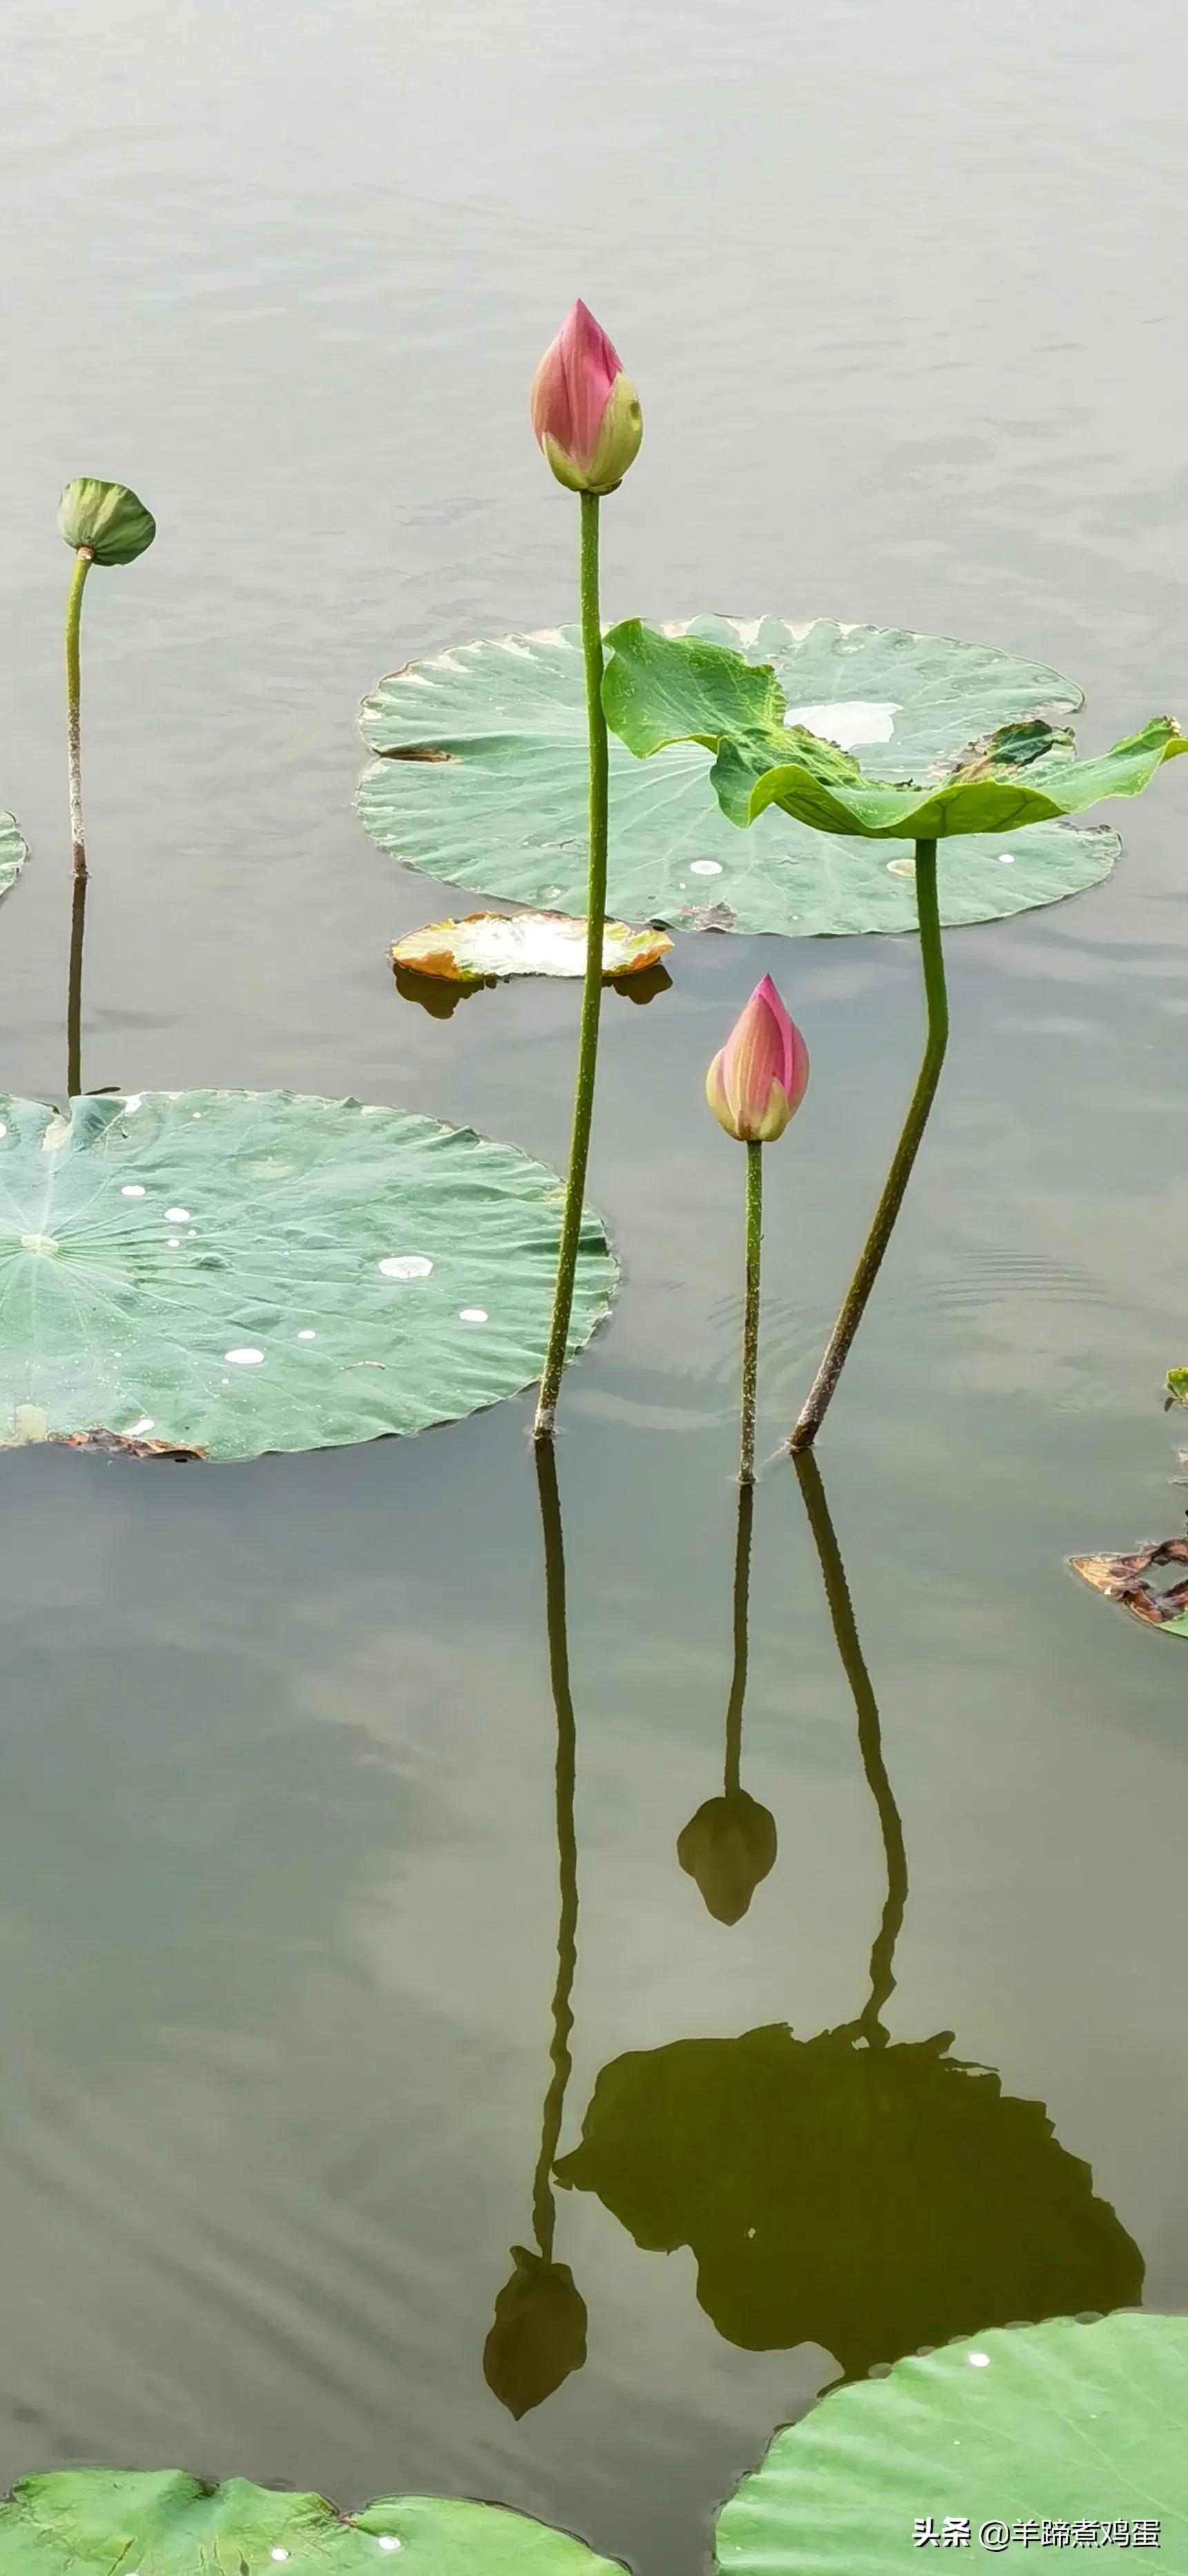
903, 292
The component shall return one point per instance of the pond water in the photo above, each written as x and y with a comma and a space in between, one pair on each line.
278, 1854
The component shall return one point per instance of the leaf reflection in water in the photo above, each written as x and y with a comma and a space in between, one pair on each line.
868, 2195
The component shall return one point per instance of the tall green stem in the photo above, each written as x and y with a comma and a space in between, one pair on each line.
583, 1098
738, 1678
82, 566
543, 2211
750, 1376
812, 1415
870, 1743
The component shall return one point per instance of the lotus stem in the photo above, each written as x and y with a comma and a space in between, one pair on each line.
750, 1369
543, 2209
732, 1782
82, 565
813, 1412
870, 1744
583, 1098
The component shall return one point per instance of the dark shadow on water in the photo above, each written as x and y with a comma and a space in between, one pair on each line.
730, 1845
868, 2195
437, 995
539, 2332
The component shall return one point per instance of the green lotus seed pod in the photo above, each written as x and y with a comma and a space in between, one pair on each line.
728, 1847
539, 2333
108, 518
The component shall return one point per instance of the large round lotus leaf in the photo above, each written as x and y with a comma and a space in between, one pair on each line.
503, 944
1057, 2436
14, 851
238, 1271
868, 2200
161, 2523
482, 782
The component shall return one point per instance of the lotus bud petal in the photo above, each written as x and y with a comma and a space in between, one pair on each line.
760, 1076
585, 412
106, 518
728, 1847
539, 2333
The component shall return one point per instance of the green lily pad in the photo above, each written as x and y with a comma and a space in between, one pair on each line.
161, 2523
503, 944
1060, 2435
236, 1272
14, 850
660, 690
481, 781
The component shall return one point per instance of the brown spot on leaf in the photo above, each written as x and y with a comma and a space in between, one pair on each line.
117, 1444
415, 751
708, 916
436, 961
1127, 1579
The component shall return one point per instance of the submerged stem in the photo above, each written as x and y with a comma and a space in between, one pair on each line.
870, 1743
812, 1413
583, 1098
543, 2211
750, 1371
732, 1782
82, 566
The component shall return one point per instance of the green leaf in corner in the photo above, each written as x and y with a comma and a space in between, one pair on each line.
162, 2523
1067, 2435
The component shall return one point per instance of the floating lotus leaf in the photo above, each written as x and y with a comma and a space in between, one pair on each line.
236, 1272
1134, 1581
481, 781
161, 2523
1057, 2436
502, 944
14, 851
865, 2199
660, 690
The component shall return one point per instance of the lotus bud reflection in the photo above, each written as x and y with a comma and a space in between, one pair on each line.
539, 2333
761, 1074
107, 519
585, 412
728, 1847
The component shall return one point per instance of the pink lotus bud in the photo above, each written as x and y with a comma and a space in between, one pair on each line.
761, 1074
585, 411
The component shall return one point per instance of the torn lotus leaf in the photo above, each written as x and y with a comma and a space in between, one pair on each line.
120, 1444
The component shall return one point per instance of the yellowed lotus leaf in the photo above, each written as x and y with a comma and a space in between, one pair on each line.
1134, 1582
500, 944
